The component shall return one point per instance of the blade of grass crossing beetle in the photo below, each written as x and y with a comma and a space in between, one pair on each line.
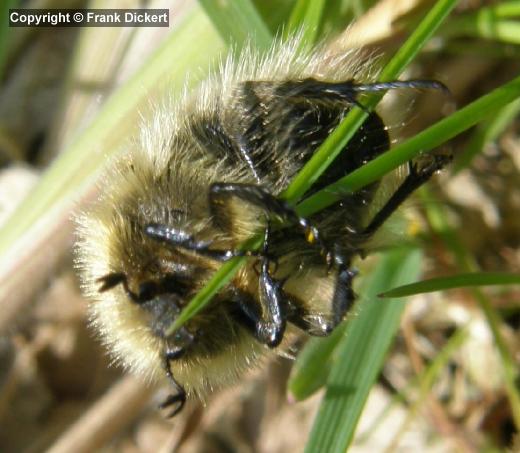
360, 355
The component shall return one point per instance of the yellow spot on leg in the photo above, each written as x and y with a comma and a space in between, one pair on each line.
309, 235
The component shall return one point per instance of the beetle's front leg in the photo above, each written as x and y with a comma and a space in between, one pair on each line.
172, 353
178, 399
180, 239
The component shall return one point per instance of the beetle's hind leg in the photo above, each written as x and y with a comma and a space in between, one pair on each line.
416, 177
343, 297
322, 324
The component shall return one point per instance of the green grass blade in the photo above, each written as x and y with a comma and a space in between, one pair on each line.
238, 22
217, 282
428, 139
454, 281
306, 16
337, 140
312, 367
361, 353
